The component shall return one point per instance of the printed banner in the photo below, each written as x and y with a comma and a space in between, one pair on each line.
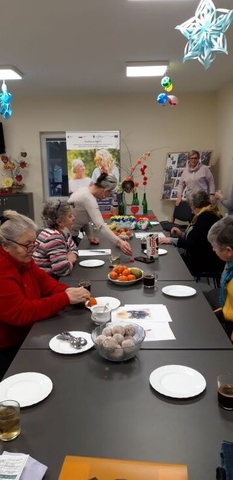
88, 155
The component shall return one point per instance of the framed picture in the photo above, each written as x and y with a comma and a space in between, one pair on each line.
174, 167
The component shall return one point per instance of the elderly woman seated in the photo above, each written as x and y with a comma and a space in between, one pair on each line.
27, 294
197, 252
221, 238
55, 250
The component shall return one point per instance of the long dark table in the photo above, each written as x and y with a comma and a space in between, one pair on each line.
105, 409
194, 324
168, 267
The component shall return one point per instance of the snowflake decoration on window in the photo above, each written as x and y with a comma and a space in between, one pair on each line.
205, 33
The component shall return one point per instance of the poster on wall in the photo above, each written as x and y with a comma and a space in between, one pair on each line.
174, 167
88, 155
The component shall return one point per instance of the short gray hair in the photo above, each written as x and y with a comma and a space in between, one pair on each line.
13, 225
53, 212
199, 199
106, 181
221, 233
77, 162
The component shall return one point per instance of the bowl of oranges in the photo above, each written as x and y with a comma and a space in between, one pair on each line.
123, 233
122, 275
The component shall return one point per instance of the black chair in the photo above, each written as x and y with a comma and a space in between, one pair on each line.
181, 212
214, 276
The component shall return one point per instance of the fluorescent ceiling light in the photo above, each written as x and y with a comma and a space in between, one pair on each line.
10, 73
146, 69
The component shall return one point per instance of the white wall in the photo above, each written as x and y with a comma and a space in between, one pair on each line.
225, 139
144, 124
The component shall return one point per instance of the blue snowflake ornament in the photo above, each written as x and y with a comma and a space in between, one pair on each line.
205, 33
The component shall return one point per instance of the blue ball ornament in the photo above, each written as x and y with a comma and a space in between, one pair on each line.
162, 98
166, 82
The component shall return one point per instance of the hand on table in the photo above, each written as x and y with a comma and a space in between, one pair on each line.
94, 240
72, 257
77, 295
164, 240
125, 247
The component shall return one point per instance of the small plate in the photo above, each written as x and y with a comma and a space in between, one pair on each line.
177, 381
91, 263
161, 251
179, 291
27, 388
130, 282
65, 348
112, 301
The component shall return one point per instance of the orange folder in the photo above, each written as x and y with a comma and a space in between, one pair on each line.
90, 468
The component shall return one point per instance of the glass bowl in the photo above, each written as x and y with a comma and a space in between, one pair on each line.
117, 353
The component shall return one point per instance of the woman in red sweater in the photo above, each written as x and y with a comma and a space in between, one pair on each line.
27, 293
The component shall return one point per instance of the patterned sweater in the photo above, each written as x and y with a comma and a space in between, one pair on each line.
51, 252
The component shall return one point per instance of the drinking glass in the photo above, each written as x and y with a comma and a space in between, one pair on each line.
9, 420
225, 391
86, 284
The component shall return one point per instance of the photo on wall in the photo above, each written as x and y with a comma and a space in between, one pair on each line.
90, 153
174, 167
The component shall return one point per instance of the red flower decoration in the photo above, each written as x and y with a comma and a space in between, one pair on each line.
18, 178
23, 164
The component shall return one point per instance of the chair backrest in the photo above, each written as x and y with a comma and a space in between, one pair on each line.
182, 212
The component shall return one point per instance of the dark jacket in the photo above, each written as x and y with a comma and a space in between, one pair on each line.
199, 255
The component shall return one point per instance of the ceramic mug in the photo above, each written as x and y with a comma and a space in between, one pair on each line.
101, 314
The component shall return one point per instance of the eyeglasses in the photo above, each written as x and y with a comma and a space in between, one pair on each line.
29, 247
193, 158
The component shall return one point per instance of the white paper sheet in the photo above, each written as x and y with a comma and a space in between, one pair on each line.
11, 467
94, 252
154, 319
145, 234
157, 313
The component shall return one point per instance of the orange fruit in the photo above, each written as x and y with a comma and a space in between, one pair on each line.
123, 278
113, 275
126, 272
131, 277
92, 301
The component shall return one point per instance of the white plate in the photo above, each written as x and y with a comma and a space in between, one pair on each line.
130, 282
65, 348
161, 251
177, 381
112, 301
27, 388
91, 263
179, 291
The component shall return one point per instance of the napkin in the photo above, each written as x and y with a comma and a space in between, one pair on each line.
94, 252
32, 470
225, 472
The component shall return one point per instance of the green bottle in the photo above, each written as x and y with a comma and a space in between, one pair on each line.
144, 204
135, 199
122, 205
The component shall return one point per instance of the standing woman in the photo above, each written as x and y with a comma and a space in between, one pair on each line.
86, 210
196, 176
27, 293
56, 251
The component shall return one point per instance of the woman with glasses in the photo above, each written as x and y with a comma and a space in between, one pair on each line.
27, 294
55, 250
196, 176
86, 210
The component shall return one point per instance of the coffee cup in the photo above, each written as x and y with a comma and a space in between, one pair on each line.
101, 314
225, 391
